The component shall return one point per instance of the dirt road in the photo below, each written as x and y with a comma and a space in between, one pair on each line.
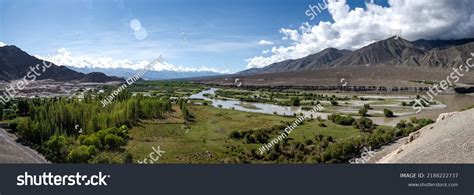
13, 152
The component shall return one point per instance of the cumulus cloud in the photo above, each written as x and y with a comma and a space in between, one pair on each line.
64, 57
352, 29
265, 42
2, 44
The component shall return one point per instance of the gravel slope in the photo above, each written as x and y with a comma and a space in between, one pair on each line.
13, 152
448, 141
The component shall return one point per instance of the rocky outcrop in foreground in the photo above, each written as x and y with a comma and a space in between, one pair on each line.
449, 140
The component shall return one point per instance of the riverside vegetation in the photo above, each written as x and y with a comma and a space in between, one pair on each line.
189, 130
50, 125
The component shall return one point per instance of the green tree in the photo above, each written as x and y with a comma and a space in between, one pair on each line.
363, 111
364, 124
388, 113
1, 112
295, 101
23, 107
367, 106
56, 148
51, 124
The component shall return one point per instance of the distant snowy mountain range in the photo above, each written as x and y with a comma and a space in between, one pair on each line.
16, 63
150, 75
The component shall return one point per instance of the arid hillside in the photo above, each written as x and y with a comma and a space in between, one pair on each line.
347, 76
449, 140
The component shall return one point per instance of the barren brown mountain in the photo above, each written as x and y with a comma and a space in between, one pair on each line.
394, 62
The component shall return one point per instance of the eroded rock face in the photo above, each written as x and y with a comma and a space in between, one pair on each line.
413, 136
449, 140
446, 115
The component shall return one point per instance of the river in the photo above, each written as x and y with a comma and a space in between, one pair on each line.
450, 103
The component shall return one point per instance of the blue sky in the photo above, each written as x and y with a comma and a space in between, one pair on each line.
213, 33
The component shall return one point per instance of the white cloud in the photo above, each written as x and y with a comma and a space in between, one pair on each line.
290, 34
64, 57
265, 42
352, 29
2, 44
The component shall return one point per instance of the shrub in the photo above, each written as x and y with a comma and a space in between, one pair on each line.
81, 154
236, 135
92, 140
128, 159
319, 137
363, 111
329, 139
367, 106
295, 101
364, 124
113, 141
423, 122
388, 113
341, 120
256, 137
402, 124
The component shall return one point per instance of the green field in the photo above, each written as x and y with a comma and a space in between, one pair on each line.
204, 139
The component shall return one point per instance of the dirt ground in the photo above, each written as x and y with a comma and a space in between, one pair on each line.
350, 76
13, 152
